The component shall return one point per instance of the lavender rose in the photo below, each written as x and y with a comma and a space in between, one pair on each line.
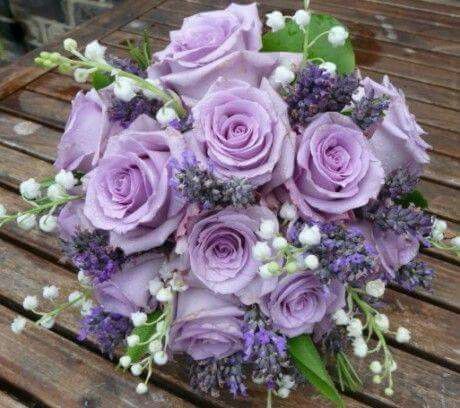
127, 291
70, 218
243, 131
220, 246
87, 131
299, 301
206, 37
129, 192
394, 250
206, 325
397, 141
335, 168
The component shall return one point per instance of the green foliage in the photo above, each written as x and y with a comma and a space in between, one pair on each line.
142, 52
348, 378
308, 361
101, 80
414, 197
144, 332
291, 39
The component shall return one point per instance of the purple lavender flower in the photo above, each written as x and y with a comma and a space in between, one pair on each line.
369, 111
211, 375
126, 113
128, 65
204, 187
109, 329
91, 253
415, 274
316, 90
400, 182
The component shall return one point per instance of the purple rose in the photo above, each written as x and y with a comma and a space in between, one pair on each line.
393, 250
129, 192
127, 291
243, 131
70, 217
86, 133
206, 37
299, 301
397, 141
220, 246
206, 325
335, 168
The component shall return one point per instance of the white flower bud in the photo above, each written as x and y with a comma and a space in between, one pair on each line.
288, 212
340, 317
160, 358
279, 243
124, 89
283, 392
389, 392
375, 367
66, 179
83, 279
164, 295
310, 236
50, 292
337, 36
86, 307
166, 115
360, 347
18, 324
393, 367
375, 288
155, 346
439, 227
56, 192
283, 76
275, 20
273, 267
258, 380
302, 17
154, 286
81, 75
138, 318
133, 340
30, 189
286, 381
455, 242
142, 388
329, 67
47, 322
311, 262
376, 379
30, 302
76, 298
381, 320
70, 44
292, 267
268, 229
355, 328
136, 369
402, 335
261, 251
48, 223
2, 210
95, 51
125, 361
27, 221
264, 272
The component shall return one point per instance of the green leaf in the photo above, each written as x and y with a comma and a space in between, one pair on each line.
414, 197
144, 332
290, 38
102, 80
348, 377
309, 363
342, 56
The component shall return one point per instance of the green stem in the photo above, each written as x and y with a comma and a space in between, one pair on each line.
62, 307
313, 42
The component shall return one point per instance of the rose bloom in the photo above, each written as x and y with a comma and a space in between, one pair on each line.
129, 192
220, 246
206, 37
206, 325
243, 131
393, 250
127, 291
397, 141
70, 218
86, 133
336, 170
299, 301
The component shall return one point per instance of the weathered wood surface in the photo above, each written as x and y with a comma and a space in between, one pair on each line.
416, 42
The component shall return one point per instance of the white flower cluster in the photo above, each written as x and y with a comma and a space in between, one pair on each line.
277, 21
277, 255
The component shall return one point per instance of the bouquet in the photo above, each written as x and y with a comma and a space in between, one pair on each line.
239, 198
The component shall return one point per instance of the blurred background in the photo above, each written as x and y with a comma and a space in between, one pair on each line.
26, 24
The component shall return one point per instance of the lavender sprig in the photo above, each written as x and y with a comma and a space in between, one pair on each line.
202, 186
415, 274
399, 183
126, 113
369, 111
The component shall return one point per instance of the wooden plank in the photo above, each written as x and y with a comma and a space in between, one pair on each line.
443, 201
22, 71
61, 374
7, 401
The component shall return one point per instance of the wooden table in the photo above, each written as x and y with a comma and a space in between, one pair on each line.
416, 42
